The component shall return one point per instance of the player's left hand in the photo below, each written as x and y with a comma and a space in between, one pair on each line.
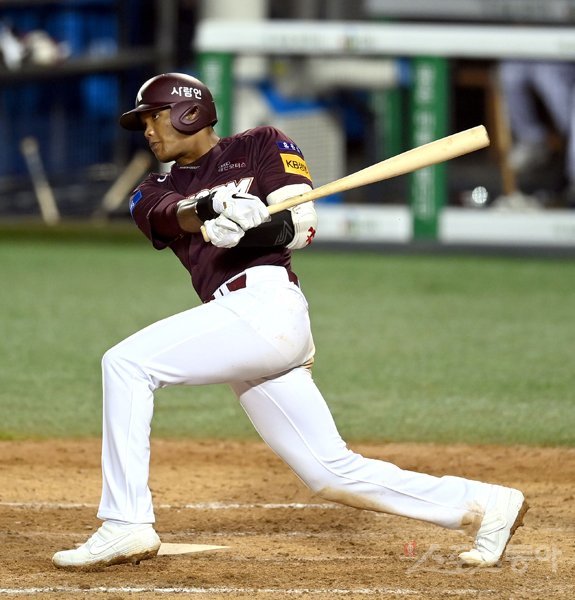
223, 232
244, 209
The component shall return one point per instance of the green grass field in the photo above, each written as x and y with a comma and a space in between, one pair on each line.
409, 348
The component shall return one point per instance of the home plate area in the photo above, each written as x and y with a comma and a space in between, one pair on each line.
236, 523
173, 549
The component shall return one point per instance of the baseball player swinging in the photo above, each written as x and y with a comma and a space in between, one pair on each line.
252, 331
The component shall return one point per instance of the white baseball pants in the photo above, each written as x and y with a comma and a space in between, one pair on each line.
257, 339
552, 81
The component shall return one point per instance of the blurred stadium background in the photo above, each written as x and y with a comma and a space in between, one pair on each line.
354, 82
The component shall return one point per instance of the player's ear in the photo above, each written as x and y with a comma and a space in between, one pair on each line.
192, 115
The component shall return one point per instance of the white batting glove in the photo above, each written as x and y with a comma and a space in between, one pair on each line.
245, 209
223, 232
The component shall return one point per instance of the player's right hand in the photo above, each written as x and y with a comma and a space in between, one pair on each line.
223, 232
244, 209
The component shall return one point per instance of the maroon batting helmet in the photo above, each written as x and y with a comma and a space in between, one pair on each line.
191, 102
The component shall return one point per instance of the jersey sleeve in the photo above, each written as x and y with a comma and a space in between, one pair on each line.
153, 209
279, 161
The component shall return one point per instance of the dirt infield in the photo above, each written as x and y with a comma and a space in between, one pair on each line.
281, 542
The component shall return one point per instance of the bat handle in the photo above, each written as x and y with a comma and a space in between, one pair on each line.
274, 208
204, 233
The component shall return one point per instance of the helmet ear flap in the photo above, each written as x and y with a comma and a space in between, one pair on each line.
190, 117
184, 117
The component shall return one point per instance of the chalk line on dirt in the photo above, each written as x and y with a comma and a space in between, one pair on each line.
191, 506
233, 590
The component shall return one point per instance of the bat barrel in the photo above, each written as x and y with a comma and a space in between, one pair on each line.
438, 151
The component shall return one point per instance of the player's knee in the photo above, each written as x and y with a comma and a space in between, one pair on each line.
116, 361
118, 364
329, 479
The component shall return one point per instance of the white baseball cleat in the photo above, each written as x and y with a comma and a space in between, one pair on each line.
112, 544
502, 517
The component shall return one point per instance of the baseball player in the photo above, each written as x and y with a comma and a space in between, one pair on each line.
252, 331
524, 84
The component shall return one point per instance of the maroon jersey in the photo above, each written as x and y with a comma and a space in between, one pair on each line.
258, 161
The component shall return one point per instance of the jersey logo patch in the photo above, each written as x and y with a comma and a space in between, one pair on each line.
134, 200
295, 164
286, 146
229, 165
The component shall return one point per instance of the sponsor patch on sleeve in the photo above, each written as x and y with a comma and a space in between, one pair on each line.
134, 200
295, 164
287, 146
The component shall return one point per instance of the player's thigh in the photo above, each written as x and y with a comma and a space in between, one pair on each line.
207, 344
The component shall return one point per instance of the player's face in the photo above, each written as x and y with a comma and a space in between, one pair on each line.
166, 143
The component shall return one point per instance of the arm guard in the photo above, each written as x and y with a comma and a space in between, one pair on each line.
293, 228
278, 231
304, 217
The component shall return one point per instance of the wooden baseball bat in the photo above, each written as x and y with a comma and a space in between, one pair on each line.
125, 183
426, 155
44, 195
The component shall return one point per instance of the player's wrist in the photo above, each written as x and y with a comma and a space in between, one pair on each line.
204, 208
186, 216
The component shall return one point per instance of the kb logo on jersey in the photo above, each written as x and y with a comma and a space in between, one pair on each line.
295, 164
